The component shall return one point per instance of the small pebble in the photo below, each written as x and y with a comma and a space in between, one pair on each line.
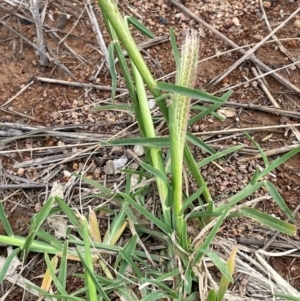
21, 172
67, 174
138, 150
254, 84
119, 163
258, 37
92, 167
97, 172
297, 23
236, 21
196, 128
37, 207
151, 103
267, 4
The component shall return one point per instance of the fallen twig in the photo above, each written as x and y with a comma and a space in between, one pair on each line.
56, 36
77, 84
252, 50
276, 111
97, 31
39, 162
281, 47
20, 114
252, 58
270, 152
34, 9
257, 128
265, 89
258, 77
260, 243
52, 60
25, 186
18, 93
274, 102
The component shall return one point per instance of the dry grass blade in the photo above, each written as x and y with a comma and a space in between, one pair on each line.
50, 159
55, 131
16, 2
261, 243
271, 72
25, 284
13, 112
285, 287
260, 279
56, 36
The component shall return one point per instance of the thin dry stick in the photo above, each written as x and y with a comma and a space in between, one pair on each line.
270, 152
18, 93
262, 108
39, 31
10, 133
74, 25
68, 159
258, 128
252, 50
281, 47
274, 102
271, 72
241, 48
24, 186
293, 129
261, 243
132, 10
77, 84
20, 114
286, 287
57, 37
265, 89
150, 43
97, 31
234, 45
55, 62
51, 131
39, 129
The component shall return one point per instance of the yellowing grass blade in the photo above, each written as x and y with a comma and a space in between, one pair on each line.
224, 282
46, 283
94, 227
119, 233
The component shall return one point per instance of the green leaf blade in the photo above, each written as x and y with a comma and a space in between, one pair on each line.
279, 200
270, 221
140, 27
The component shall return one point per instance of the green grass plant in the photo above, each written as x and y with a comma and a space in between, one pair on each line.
132, 272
